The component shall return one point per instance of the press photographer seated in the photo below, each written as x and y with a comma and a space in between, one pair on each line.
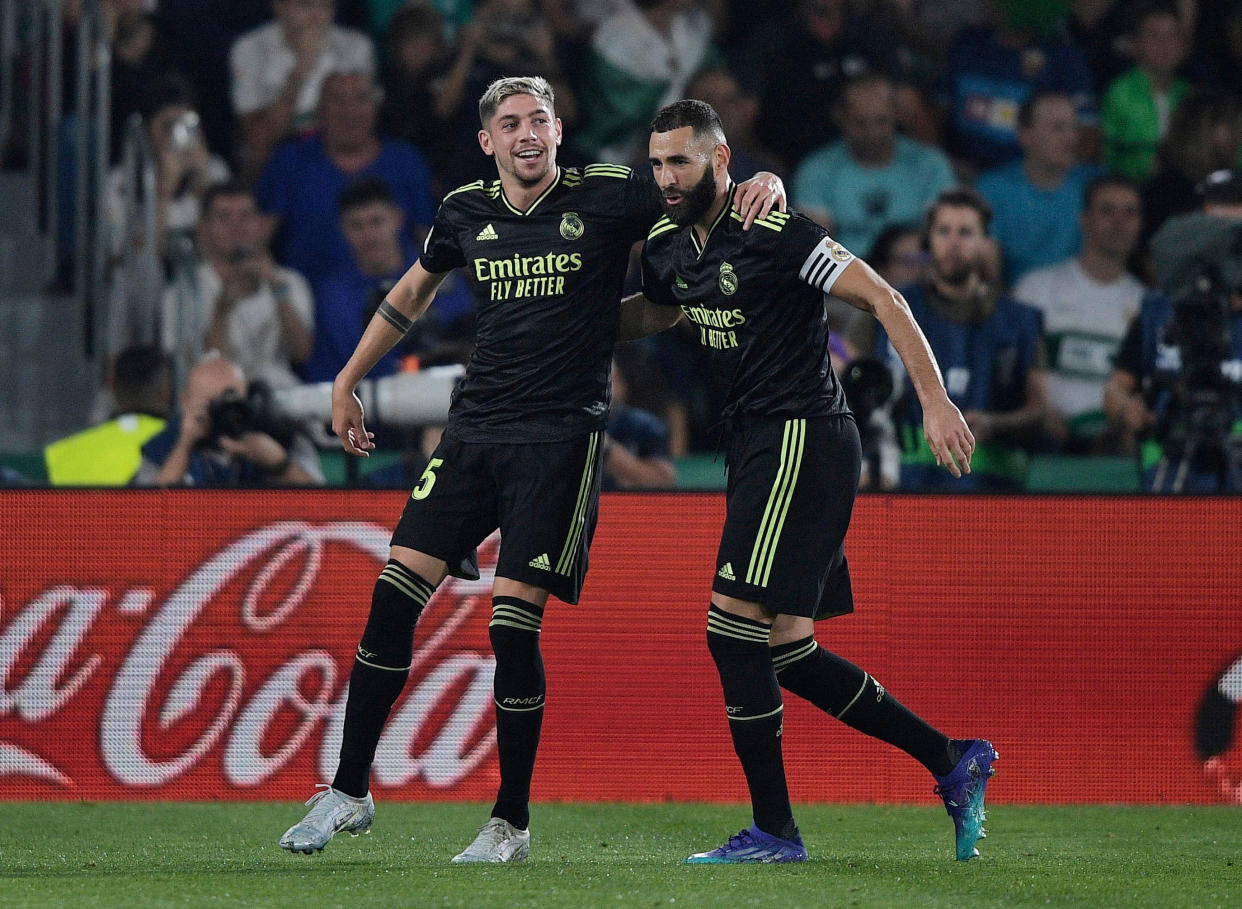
220, 440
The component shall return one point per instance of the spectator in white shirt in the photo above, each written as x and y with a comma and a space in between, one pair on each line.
278, 68
1088, 301
238, 301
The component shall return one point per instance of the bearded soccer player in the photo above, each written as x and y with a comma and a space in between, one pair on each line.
757, 300
547, 249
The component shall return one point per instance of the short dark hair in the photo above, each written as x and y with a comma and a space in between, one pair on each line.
141, 376
1108, 181
364, 191
223, 188
881, 252
412, 20
864, 79
959, 197
1026, 113
698, 115
165, 91
1151, 10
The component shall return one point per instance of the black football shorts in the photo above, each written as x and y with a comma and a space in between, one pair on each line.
791, 490
543, 496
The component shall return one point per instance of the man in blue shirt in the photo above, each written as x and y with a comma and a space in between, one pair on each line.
872, 177
1037, 200
989, 348
346, 299
301, 182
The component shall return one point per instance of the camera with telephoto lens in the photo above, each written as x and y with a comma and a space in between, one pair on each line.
230, 416
868, 386
1200, 402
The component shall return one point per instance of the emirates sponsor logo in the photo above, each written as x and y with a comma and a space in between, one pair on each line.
239, 670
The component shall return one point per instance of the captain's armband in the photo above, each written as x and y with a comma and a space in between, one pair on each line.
825, 264
395, 318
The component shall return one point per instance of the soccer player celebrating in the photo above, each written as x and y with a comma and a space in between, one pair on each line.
547, 250
757, 300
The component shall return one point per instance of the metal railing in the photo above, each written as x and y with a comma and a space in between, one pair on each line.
63, 153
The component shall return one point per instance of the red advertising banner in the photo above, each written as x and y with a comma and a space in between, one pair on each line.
197, 645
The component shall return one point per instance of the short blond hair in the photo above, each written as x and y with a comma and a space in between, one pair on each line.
505, 87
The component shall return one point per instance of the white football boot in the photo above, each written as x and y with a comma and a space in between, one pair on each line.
332, 812
498, 841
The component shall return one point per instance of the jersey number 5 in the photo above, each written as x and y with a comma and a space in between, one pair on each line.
427, 480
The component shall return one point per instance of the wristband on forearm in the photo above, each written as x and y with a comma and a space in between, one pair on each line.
395, 317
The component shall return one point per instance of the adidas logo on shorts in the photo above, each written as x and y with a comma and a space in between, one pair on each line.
726, 572
541, 562
487, 233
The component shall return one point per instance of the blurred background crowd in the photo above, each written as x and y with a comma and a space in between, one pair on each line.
231, 187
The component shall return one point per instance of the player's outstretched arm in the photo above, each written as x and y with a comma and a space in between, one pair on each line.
640, 317
758, 196
947, 434
407, 301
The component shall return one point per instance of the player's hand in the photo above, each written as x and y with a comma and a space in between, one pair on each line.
758, 196
948, 436
348, 426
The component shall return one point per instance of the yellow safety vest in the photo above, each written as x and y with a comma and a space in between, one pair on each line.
104, 455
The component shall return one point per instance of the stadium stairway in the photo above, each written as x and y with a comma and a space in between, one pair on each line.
47, 383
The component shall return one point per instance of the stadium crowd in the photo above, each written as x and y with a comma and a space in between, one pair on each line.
1008, 163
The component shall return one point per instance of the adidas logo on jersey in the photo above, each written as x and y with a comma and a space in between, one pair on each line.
488, 233
727, 572
541, 562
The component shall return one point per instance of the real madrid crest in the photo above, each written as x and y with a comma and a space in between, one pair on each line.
728, 279
839, 252
571, 226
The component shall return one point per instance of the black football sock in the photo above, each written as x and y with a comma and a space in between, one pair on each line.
519, 687
381, 668
753, 704
844, 691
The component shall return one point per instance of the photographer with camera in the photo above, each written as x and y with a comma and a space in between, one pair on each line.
1177, 381
223, 439
236, 299
184, 167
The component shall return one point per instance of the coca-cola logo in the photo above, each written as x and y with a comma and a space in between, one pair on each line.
245, 662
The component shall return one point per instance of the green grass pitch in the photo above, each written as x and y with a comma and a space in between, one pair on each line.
209, 854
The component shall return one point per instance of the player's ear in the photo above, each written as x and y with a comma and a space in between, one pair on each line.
485, 142
721, 156
557, 123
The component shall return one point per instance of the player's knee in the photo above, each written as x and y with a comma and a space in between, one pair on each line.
729, 633
396, 603
514, 632
425, 566
788, 628
509, 589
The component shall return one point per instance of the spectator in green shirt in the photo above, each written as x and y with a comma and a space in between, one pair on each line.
1139, 103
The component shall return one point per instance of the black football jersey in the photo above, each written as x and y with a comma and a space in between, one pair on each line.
756, 299
547, 283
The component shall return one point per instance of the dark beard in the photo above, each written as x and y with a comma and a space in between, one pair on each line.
695, 203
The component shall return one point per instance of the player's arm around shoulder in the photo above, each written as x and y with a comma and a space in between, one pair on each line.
641, 317
654, 308
947, 434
